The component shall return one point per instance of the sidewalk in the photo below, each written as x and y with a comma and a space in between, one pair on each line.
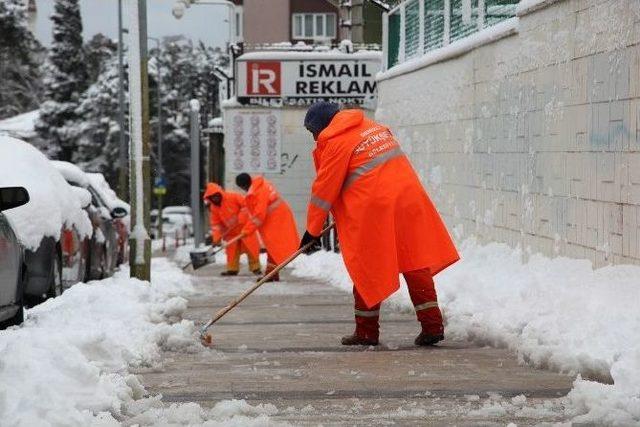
281, 346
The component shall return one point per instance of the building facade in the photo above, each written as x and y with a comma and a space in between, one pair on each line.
310, 21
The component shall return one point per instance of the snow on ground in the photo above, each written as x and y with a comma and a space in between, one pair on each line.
53, 203
554, 313
69, 364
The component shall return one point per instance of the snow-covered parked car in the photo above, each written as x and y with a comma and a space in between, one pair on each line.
12, 270
55, 209
177, 221
102, 250
113, 203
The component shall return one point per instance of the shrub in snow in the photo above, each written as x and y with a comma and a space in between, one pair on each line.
65, 79
20, 86
98, 128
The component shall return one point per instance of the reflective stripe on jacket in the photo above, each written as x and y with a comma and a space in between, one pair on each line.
385, 220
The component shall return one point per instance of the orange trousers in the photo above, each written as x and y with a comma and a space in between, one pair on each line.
233, 261
423, 296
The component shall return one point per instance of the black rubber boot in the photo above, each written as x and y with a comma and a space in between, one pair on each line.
358, 340
229, 273
274, 278
425, 340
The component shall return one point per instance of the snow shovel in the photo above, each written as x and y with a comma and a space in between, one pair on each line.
201, 258
206, 338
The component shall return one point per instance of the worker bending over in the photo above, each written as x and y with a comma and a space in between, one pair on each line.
385, 221
270, 214
228, 215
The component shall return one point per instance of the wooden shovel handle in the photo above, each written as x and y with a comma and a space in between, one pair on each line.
262, 281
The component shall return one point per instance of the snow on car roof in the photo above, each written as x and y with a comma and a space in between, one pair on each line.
71, 173
53, 204
176, 210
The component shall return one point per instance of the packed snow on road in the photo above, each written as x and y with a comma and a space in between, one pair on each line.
557, 314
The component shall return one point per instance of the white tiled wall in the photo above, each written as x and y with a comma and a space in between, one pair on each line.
534, 140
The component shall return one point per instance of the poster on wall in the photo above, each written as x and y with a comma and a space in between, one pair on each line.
254, 140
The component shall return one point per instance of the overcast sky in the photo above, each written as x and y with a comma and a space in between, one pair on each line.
204, 22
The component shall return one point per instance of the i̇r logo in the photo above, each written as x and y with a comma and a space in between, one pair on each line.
263, 78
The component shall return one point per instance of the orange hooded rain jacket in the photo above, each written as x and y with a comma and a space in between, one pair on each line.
385, 220
272, 217
228, 219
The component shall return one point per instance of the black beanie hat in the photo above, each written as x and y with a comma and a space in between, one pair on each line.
319, 116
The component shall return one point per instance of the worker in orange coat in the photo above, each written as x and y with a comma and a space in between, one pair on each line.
228, 215
385, 221
272, 217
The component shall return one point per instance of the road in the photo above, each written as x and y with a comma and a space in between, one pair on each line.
282, 346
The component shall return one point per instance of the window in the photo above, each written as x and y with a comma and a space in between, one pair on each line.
314, 25
239, 18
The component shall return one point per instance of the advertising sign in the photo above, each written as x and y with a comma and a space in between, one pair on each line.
254, 140
302, 79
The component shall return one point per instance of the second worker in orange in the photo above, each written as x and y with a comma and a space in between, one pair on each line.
272, 217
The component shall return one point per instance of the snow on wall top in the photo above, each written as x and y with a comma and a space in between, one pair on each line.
22, 125
310, 56
71, 172
54, 204
455, 49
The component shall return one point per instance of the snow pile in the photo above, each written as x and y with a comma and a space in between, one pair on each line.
53, 205
554, 313
69, 363
227, 413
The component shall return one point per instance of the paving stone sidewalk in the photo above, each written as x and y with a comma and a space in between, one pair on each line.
282, 346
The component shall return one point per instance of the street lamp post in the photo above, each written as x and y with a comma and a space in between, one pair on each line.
122, 146
194, 119
180, 6
178, 11
159, 163
139, 147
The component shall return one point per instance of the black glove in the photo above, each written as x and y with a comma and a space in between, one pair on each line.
308, 238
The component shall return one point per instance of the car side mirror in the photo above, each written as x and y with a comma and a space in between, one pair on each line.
119, 212
12, 197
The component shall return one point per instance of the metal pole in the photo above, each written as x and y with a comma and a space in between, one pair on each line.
194, 107
122, 153
160, 164
139, 182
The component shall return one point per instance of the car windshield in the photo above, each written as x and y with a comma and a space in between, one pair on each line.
96, 200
